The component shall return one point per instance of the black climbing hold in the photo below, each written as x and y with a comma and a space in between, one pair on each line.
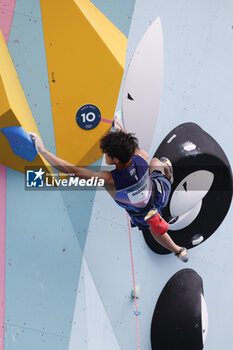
202, 190
130, 97
185, 186
180, 318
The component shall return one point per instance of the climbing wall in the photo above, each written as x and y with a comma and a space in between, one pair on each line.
65, 278
197, 77
43, 236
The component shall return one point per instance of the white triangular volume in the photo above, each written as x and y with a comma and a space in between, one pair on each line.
143, 86
97, 332
190, 191
186, 219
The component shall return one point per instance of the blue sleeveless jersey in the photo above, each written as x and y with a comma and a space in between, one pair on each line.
134, 190
133, 185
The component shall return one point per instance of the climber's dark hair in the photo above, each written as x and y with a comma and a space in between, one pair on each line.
118, 144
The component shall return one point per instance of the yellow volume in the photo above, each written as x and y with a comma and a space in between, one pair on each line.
85, 59
14, 111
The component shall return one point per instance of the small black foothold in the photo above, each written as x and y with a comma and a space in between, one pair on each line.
185, 186
130, 97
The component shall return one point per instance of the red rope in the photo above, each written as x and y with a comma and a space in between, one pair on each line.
135, 298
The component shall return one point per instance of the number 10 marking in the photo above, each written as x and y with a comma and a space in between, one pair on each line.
89, 117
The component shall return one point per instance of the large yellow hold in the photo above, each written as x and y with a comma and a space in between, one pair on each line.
14, 111
85, 58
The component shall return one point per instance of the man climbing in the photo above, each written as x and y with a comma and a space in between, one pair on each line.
142, 189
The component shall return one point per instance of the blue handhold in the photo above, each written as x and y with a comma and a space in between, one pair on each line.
21, 143
137, 313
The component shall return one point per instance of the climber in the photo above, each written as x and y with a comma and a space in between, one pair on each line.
142, 189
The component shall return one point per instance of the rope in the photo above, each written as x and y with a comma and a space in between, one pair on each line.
134, 287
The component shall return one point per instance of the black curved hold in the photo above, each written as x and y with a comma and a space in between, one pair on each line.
203, 153
177, 319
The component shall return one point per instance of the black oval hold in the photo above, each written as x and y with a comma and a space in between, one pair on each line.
191, 149
177, 319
